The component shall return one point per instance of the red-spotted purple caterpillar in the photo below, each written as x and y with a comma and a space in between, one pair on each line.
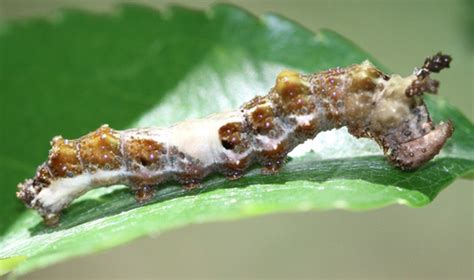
371, 104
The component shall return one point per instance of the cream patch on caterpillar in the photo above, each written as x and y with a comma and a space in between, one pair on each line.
62, 191
371, 104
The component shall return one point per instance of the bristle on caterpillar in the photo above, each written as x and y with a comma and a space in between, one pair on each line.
387, 109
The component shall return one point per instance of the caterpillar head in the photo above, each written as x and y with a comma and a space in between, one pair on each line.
402, 121
414, 153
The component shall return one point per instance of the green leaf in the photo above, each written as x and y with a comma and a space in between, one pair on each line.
9, 264
140, 67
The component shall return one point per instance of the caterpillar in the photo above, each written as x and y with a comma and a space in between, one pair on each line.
386, 108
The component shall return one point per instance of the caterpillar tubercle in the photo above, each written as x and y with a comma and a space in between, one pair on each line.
387, 109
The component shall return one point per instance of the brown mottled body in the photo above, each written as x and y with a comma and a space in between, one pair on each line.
388, 109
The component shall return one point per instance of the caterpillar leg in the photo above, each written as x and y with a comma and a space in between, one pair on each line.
273, 166
234, 170
191, 185
51, 220
273, 160
143, 188
192, 175
144, 194
233, 174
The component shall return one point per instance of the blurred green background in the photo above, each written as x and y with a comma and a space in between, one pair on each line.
435, 242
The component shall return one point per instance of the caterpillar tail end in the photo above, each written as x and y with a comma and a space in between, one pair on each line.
27, 192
